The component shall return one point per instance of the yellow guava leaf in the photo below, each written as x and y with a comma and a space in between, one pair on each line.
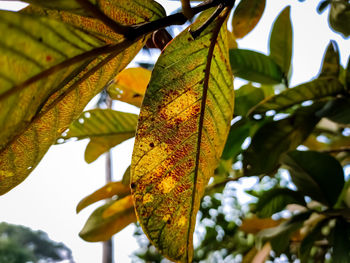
109, 190
105, 128
108, 220
50, 70
254, 225
183, 124
246, 16
130, 85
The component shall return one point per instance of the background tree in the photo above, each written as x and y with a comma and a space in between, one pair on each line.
19, 244
186, 113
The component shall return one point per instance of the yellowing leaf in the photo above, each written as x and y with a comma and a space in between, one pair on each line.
50, 88
183, 125
254, 225
108, 220
109, 190
105, 128
247, 14
130, 85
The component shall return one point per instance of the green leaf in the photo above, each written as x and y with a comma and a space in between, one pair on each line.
254, 66
279, 236
337, 110
323, 5
308, 242
109, 190
239, 131
281, 41
347, 76
106, 128
108, 220
315, 174
341, 242
246, 16
53, 87
313, 90
277, 137
339, 17
247, 97
275, 200
183, 124
331, 65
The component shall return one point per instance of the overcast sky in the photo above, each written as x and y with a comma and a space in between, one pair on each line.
47, 199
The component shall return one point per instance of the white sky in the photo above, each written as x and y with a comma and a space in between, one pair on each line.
46, 200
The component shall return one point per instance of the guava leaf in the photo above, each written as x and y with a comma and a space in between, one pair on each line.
313, 90
108, 220
330, 64
255, 66
183, 125
246, 16
246, 97
281, 41
109, 190
130, 85
50, 88
105, 128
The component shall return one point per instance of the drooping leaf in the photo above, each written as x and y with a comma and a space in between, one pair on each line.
337, 110
247, 97
341, 241
339, 17
316, 174
246, 16
106, 128
130, 85
281, 41
323, 5
279, 236
49, 101
108, 220
254, 66
277, 137
182, 129
109, 190
276, 199
309, 240
313, 90
330, 64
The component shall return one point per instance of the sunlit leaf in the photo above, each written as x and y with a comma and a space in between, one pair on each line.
281, 41
277, 137
247, 14
130, 85
35, 108
109, 190
183, 125
277, 199
330, 64
108, 220
313, 90
106, 128
316, 174
254, 66
247, 97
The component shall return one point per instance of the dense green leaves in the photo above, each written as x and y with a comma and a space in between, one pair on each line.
254, 66
281, 41
337, 110
277, 137
275, 200
183, 124
315, 174
339, 17
105, 129
247, 14
341, 241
